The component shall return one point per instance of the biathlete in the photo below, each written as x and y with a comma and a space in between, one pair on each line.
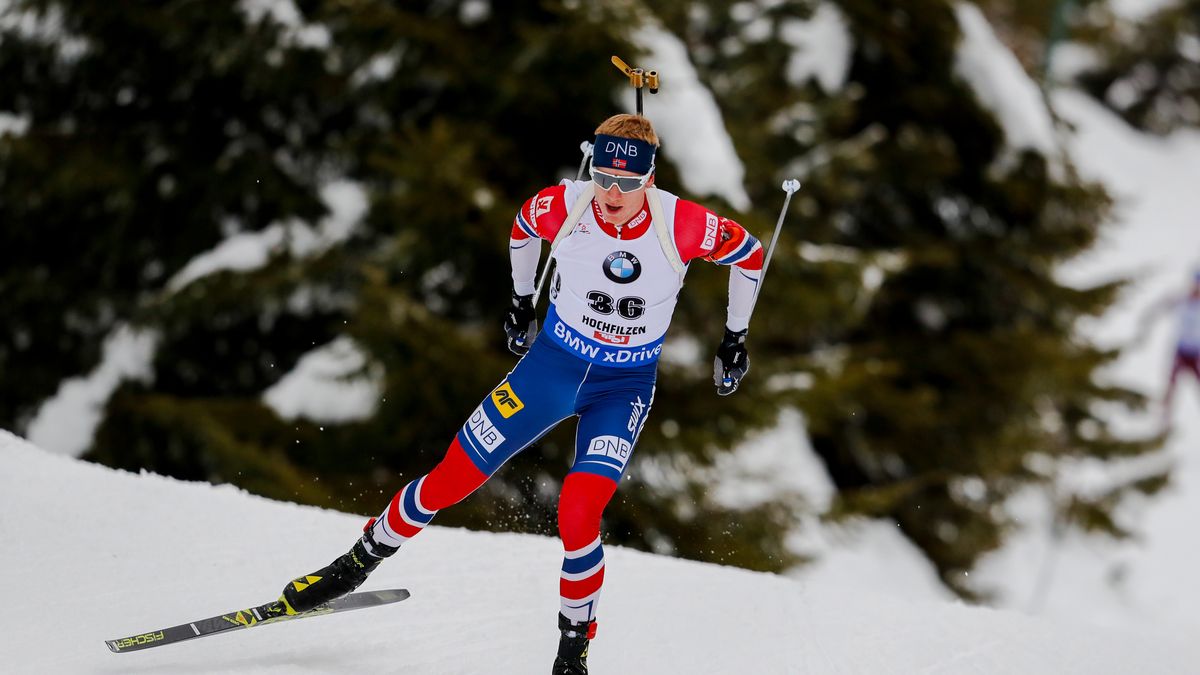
622, 248
1187, 344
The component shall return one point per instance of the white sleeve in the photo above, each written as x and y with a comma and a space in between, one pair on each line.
524, 255
742, 285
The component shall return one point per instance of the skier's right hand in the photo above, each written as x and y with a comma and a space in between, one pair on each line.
520, 324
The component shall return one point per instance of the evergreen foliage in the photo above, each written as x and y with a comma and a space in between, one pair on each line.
170, 127
938, 359
911, 313
1149, 73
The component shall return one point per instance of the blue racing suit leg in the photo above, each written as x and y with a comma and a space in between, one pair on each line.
613, 406
539, 393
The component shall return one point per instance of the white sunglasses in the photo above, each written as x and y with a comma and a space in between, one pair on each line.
623, 183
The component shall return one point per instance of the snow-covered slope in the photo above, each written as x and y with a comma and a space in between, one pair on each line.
91, 553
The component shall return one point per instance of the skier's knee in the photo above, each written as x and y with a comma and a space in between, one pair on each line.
578, 525
455, 477
580, 508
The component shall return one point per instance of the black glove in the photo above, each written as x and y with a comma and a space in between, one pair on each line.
732, 362
520, 324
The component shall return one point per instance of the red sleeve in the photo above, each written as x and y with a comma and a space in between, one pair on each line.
700, 233
696, 230
542, 215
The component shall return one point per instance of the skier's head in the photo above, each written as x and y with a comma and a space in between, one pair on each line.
623, 165
634, 127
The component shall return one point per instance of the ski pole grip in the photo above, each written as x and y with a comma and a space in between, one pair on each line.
585, 148
790, 186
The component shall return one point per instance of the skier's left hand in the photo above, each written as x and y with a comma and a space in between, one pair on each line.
732, 362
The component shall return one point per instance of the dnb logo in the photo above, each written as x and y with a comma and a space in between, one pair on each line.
612, 447
622, 267
482, 429
506, 400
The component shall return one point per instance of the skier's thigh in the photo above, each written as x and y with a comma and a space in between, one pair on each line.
608, 430
525, 405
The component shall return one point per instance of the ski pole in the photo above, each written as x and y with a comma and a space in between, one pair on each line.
790, 187
586, 148
870, 136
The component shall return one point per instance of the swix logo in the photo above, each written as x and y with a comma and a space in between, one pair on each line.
710, 232
626, 148
613, 447
486, 433
543, 205
636, 414
610, 338
506, 400
619, 163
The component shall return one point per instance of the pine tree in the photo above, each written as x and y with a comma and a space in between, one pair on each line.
1149, 73
939, 367
191, 123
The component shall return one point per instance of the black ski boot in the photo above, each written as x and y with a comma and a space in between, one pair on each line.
573, 646
338, 577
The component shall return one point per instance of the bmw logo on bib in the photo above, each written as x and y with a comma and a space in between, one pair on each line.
622, 267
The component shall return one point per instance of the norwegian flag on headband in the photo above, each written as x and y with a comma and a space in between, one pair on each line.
618, 163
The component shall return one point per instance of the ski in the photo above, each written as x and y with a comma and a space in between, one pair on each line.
272, 612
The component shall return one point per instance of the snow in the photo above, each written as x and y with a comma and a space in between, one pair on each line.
296, 32
688, 121
45, 27
13, 125
860, 553
138, 552
248, 251
1000, 83
66, 421
1070, 60
241, 252
870, 555
1155, 238
335, 383
1135, 10
822, 48
473, 12
779, 461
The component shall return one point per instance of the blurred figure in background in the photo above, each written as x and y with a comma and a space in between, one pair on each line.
622, 248
1187, 344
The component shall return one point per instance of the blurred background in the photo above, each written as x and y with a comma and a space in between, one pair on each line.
265, 243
